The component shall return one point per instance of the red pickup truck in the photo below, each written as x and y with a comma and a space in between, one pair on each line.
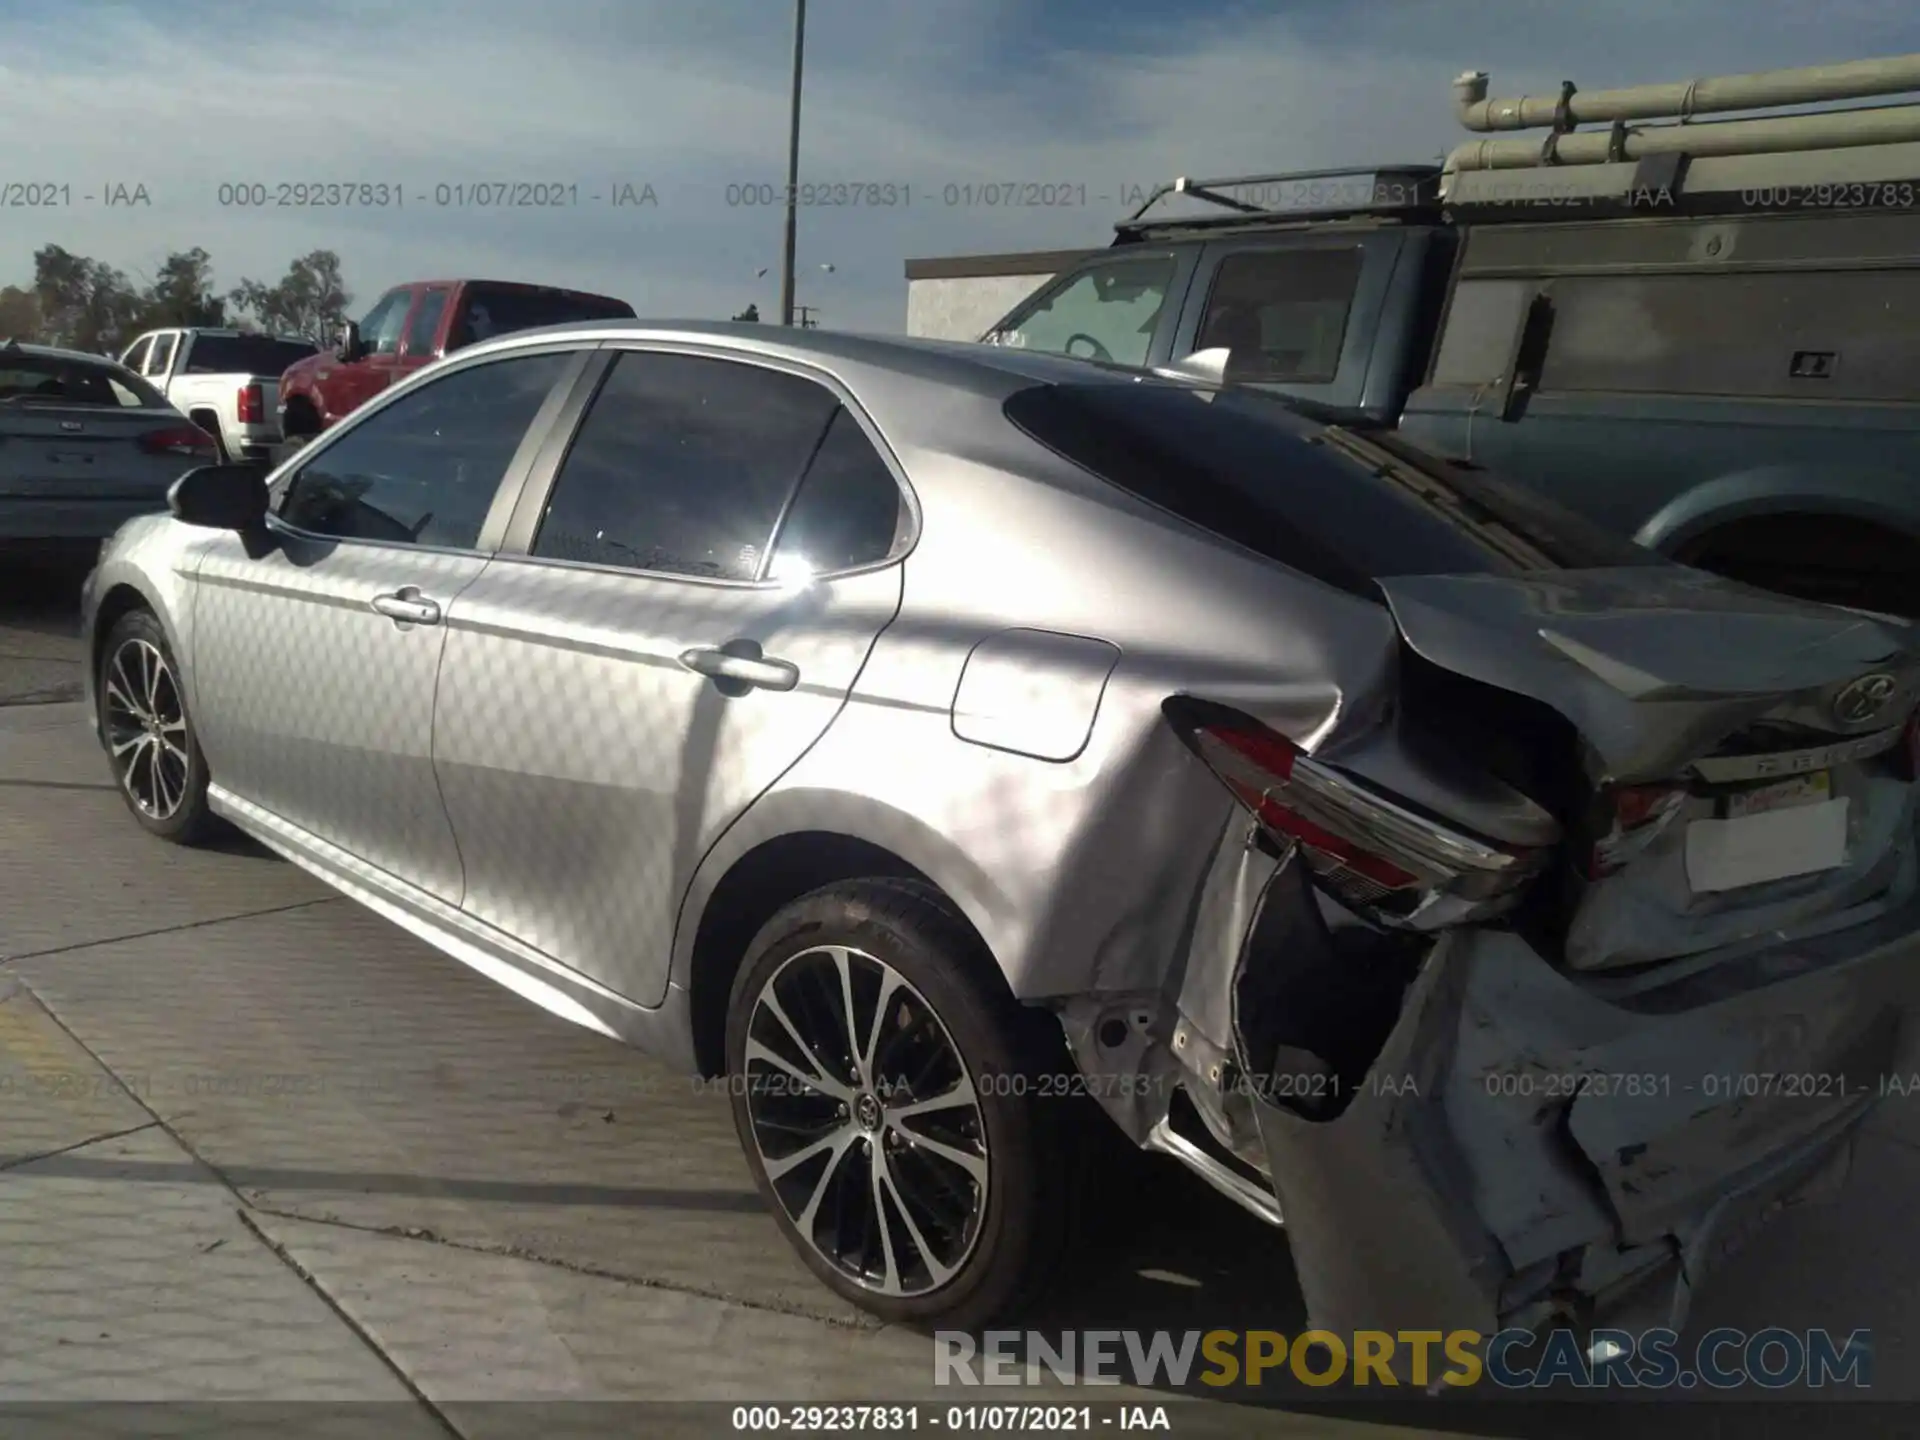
414, 325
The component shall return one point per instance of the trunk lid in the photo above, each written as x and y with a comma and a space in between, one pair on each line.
1742, 752
86, 452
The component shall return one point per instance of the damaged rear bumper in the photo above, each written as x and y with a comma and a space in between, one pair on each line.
1505, 1145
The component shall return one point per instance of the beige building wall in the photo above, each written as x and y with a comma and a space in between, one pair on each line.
963, 307
958, 297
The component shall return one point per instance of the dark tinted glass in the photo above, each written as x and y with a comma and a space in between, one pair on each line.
848, 510
1281, 314
489, 310
243, 355
423, 471
46, 380
1245, 467
683, 465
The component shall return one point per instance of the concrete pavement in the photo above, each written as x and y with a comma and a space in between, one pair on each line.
257, 1144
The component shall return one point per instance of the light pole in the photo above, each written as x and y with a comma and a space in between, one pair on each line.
793, 162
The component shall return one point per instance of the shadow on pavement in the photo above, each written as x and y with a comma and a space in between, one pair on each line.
360, 1182
41, 597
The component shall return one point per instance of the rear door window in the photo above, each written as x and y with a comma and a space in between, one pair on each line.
244, 355
1341, 506
848, 511
30, 380
1281, 313
1107, 312
683, 466
489, 310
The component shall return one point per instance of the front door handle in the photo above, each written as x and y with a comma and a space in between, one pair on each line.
408, 606
738, 666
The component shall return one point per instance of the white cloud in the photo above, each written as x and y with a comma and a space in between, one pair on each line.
692, 99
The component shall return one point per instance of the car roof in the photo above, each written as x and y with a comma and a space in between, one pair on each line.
225, 332
470, 281
959, 362
50, 352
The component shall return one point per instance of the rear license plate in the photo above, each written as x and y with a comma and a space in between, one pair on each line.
1777, 844
1801, 790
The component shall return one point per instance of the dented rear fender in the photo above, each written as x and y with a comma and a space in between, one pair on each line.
1526, 1144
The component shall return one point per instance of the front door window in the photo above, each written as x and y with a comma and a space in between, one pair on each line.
1104, 312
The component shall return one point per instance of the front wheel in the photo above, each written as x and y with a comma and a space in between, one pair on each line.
888, 1094
148, 734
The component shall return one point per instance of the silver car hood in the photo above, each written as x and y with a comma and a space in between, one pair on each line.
1652, 664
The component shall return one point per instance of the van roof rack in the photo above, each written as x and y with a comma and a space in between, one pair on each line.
1841, 157
1355, 192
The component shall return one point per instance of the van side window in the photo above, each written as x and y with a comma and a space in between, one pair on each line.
1828, 335
1104, 312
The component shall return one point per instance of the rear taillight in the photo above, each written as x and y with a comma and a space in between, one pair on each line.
1369, 850
1631, 817
251, 405
178, 440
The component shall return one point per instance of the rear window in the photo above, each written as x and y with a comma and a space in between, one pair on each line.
487, 310
244, 355
1313, 497
50, 380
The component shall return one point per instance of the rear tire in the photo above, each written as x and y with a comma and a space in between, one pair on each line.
301, 422
142, 708
975, 1206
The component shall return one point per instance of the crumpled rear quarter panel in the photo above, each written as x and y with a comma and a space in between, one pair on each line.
1523, 1138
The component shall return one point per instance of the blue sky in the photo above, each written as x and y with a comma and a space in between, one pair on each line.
691, 98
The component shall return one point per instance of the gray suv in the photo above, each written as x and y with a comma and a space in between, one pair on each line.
1713, 354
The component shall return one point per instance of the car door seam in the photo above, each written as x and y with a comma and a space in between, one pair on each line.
846, 699
447, 624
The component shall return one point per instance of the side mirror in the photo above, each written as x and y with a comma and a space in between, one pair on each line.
1207, 365
349, 349
221, 497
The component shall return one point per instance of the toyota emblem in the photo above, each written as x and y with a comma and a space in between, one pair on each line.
1865, 698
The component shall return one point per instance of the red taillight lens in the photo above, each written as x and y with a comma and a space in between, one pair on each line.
1370, 850
1259, 768
251, 404
177, 440
1633, 815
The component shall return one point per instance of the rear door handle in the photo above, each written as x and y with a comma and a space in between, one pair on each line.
739, 666
408, 606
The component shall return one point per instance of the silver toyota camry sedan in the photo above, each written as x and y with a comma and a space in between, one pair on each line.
953, 747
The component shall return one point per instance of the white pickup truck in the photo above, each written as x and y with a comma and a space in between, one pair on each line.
225, 381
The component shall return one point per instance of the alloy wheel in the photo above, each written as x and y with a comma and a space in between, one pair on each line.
146, 726
866, 1120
